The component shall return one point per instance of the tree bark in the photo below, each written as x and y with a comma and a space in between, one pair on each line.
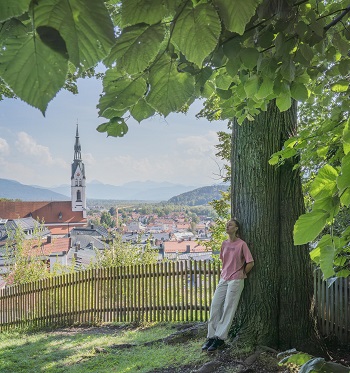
276, 302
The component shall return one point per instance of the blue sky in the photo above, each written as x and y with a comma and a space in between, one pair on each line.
38, 150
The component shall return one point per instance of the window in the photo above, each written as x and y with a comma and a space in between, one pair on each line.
79, 196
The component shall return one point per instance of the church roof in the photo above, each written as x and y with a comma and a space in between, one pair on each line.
46, 211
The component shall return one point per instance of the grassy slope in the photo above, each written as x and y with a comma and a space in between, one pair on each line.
73, 350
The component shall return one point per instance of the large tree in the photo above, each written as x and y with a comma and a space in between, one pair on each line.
250, 60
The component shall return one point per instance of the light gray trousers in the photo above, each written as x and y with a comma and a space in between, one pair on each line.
223, 307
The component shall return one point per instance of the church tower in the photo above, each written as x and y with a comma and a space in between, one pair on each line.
78, 179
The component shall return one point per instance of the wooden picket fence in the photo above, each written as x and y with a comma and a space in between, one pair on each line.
175, 291
333, 306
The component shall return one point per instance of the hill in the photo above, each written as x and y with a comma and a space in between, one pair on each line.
199, 196
11, 189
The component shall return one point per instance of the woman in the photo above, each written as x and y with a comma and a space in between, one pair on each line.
237, 261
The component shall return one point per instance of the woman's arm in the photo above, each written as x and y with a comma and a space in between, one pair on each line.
248, 267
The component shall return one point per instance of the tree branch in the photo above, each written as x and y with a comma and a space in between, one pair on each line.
337, 19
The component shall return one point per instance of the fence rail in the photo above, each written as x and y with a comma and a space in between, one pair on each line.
333, 306
175, 291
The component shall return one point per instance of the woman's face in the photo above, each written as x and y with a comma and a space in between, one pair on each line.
231, 227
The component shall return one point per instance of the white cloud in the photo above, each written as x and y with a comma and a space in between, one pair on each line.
192, 163
29, 147
4, 147
199, 146
88, 159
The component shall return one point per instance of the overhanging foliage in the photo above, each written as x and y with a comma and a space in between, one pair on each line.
238, 55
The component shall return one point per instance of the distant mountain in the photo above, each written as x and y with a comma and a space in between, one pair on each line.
199, 196
134, 190
11, 189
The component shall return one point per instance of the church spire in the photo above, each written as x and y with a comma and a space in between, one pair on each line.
77, 146
78, 179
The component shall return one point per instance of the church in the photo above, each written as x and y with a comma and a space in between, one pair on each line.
58, 216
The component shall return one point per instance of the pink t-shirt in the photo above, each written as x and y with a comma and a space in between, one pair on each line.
234, 255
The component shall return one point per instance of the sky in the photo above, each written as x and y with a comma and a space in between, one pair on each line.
38, 150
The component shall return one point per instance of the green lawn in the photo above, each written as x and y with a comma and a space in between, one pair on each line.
74, 350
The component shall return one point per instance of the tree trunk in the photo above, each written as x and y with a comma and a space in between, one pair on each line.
275, 305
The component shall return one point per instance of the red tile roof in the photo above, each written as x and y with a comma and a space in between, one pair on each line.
56, 245
181, 247
46, 248
46, 211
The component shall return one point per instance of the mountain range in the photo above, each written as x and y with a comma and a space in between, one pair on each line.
136, 190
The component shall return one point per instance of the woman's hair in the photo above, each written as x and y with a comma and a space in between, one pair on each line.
238, 224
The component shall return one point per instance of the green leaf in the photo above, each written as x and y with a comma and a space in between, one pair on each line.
249, 57
309, 225
297, 359
340, 86
223, 81
288, 70
202, 82
232, 67
322, 151
116, 127
315, 255
324, 184
299, 92
344, 66
313, 366
10, 9
341, 44
141, 110
274, 160
326, 260
121, 93
236, 16
232, 48
343, 181
346, 137
343, 273
329, 203
251, 86
136, 47
170, 89
284, 101
265, 89
146, 11
307, 52
34, 71
196, 32
85, 26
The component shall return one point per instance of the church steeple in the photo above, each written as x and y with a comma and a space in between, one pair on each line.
78, 179
77, 146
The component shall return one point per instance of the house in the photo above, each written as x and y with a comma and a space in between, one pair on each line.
98, 231
135, 226
184, 250
28, 226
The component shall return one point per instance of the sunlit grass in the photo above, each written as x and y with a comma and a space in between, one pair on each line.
57, 351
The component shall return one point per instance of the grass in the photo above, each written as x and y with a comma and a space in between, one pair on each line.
74, 350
